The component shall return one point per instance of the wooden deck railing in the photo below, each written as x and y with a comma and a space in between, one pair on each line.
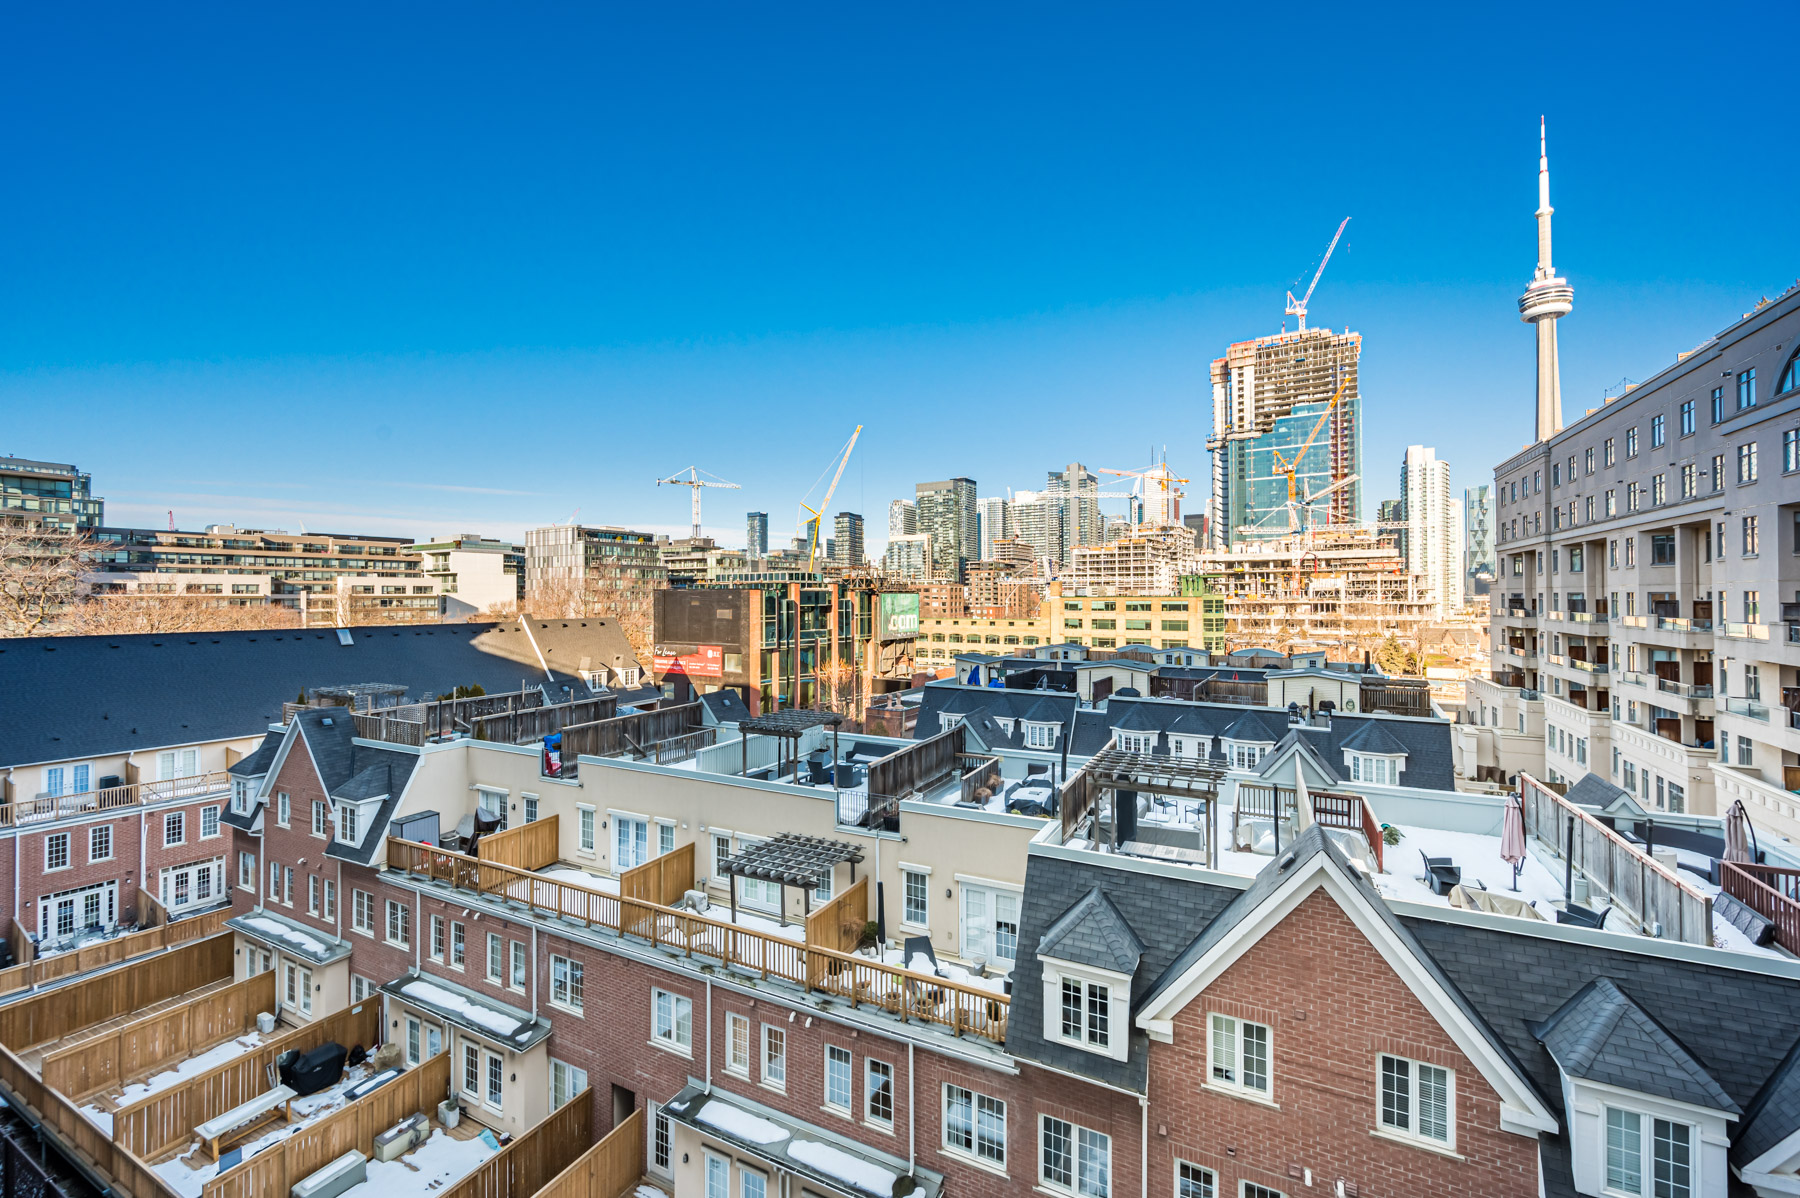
911, 995
918, 766
1769, 890
111, 952
619, 736
840, 923
1332, 809
53, 807
607, 1170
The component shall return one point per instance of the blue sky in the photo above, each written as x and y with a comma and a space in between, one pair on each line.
422, 269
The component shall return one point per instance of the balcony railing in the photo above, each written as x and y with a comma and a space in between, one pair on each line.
1634, 621
52, 807
1687, 690
1591, 667
1633, 678
1555, 659
1587, 617
1770, 891
1748, 707
1680, 624
1746, 632
911, 995
1793, 634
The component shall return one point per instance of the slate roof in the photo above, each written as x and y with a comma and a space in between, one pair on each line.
352, 771
1430, 764
1092, 932
257, 763
1600, 1035
1773, 1115
1163, 912
1595, 792
724, 706
1371, 737
156, 690
953, 698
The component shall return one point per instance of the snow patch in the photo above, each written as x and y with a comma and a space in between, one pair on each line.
864, 1175
212, 1058
447, 1000
287, 934
741, 1124
428, 1169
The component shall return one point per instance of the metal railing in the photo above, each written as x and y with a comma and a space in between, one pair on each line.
1591, 667
1681, 624
1746, 632
1748, 708
1634, 621
1687, 690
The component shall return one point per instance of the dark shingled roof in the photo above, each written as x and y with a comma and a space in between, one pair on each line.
1092, 932
257, 763
951, 698
1371, 737
182, 688
1600, 1035
724, 706
352, 771
1773, 1115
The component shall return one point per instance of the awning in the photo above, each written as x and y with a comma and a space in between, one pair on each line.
503, 1025
815, 1155
289, 937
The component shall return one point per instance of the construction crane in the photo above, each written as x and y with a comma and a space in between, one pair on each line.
695, 482
1291, 466
812, 546
1165, 482
1297, 307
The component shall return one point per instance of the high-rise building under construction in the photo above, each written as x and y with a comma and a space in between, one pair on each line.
1274, 417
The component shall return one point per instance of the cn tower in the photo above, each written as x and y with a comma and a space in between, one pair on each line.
1547, 298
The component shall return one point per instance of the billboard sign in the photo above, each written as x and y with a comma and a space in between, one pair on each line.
899, 617
706, 661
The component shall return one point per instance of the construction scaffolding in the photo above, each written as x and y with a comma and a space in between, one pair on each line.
1341, 586
1152, 562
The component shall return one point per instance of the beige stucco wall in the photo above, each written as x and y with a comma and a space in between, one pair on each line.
526, 1096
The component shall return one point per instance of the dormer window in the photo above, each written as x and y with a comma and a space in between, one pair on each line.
947, 721
240, 796
1374, 768
1245, 756
1137, 742
1086, 1013
1085, 1007
1040, 736
349, 823
1645, 1155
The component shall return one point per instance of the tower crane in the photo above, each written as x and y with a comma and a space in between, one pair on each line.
812, 547
1297, 307
694, 482
1291, 466
1165, 482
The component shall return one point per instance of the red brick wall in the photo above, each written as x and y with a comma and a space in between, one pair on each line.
1332, 1004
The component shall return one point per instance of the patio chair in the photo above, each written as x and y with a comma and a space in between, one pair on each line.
1442, 874
1582, 917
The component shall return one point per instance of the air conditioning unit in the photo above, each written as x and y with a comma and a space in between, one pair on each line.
348, 1170
695, 900
402, 1138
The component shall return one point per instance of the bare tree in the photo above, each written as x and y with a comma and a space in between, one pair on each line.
41, 571
97, 614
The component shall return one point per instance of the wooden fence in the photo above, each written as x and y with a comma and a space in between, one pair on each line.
979, 773
629, 734
390, 728
57, 1116
51, 807
140, 1048
609, 1169
1256, 800
111, 952
527, 1164
275, 1170
529, 724
960, 1007
527, 846
1635, 882
117, 992
168, 1117
23, 950
916, 767
839, 924
1769, 890
656, 885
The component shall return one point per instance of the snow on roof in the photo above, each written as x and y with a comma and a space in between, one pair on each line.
479, 1014
857, 1172
742, 1124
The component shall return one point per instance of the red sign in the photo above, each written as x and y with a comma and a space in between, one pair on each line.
708, 661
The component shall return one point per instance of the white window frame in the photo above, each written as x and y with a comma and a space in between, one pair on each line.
567, 982
1375, 769
52, 842
659, 1152
1409, 1129
97, 833
1082, 1141
575, 1080
874, 1072
672, 1021
774, 1049
247, 871
1646, 1149
992, 893
1246, 754
297, 979
980, 1149
209, 815
518, 975
496, 959
1116, 1041
349, 823
737, 1044
1040, 735
362, 912
629, 854
434, 947
284, 808
1205, 1185
1231, 1026
174, 828
836, 1055
321, 821
398, 928
923, 875
586, 822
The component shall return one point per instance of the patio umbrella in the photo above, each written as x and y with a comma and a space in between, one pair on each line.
1738, 833
1512, 837
1303, 807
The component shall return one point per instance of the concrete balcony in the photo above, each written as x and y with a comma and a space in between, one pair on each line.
1749, 709
1633, 678
1734, 631
1675, 632
1597, 668
1771, 804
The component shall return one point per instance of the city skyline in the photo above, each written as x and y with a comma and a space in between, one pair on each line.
228, 302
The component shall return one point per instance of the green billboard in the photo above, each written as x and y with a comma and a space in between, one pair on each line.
899, 617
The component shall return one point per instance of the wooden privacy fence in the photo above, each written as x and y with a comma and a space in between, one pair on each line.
168, 1118
979, 773
49, 807
963, 1008
623, 735
274, 1170
140, 1048
1078, 796
57, 1116
529, 724
527, 846
839, 924
111, 952
1770, 891
392, 729
1635, 882
918, 766
657, 884
524, 1166
607, 1170
118, 992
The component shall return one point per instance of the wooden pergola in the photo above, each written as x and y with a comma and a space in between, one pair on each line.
790, 859
789, 726
1197, 779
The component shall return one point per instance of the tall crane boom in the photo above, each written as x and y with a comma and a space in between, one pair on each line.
825, 504
1297, 307
694, 482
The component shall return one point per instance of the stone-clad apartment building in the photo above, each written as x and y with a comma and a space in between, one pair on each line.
1646, 613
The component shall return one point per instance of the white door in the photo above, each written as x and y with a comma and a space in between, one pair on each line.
72, 911
493, 806
990, 924
631, 843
